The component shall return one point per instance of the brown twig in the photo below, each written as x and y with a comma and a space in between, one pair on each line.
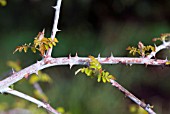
146, 107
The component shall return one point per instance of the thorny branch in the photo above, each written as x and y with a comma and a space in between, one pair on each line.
146, 107
24, 96
19, 75
48, 61
55, 24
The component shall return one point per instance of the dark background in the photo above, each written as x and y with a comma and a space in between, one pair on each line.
90, 27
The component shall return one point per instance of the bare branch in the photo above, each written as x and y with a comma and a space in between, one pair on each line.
24, 96
146, 107
55, 24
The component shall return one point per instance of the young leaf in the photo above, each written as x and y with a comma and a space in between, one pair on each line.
95, 70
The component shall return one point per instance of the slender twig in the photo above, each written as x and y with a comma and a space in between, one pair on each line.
146, 107
55, 24
39, 89
24, 96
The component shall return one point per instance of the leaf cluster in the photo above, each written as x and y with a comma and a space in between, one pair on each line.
40, 44
94, 69
163, 37
141, 50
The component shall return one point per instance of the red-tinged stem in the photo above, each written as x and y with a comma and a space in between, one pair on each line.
146, 107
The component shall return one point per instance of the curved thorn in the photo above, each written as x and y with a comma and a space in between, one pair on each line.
69, 56
71, 65
98, 56
111, 55
76, 55
13, 71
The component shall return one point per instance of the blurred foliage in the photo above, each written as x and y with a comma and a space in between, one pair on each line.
89, 27
134, 109
3, 2
38, 93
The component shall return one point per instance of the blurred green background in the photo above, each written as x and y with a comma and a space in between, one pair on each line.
89, 27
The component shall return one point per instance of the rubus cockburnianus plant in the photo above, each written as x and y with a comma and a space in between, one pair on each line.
93, 69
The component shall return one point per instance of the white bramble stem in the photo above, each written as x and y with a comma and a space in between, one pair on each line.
48, 61
55, 24
31, 99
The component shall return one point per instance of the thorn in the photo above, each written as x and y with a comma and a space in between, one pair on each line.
38, 61
13, 71
71, 65
111, 55
164, 42
148, 106
166, 59
36, 72
155, 45
155, 58
98, 56
58, 30
43, 31
146, 64
130, 64
69, 56
76, 55
55, 7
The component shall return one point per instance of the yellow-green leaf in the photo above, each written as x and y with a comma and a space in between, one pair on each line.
40, 95
55, 40
46, 47
50, 45
3, 2
33, 49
